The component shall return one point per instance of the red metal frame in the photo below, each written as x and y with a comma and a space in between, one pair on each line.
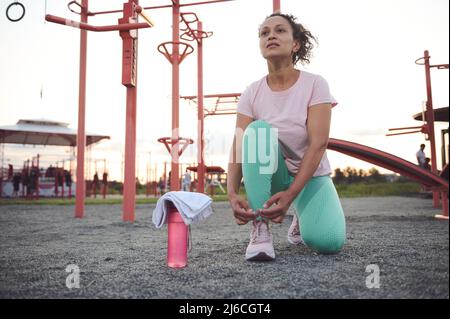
201, 172
128, 34
428, 117
229, 100
162, 48
430, 120
88, 27
168, 141
161, 7
197, 35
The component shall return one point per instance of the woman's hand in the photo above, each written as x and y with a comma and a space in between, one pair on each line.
241, 210
277, 206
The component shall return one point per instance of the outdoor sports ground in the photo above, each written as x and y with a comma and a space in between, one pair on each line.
396, 235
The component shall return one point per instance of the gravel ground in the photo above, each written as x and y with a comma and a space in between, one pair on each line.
128, 260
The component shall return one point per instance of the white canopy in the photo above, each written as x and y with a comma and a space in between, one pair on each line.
44, 132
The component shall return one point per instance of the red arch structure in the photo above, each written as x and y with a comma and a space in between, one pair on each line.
390, 162
395, 164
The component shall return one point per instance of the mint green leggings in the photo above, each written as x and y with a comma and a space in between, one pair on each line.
322, 221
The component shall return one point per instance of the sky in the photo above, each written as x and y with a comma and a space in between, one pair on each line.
366, 52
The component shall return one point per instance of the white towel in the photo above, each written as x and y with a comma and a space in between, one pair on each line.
193, 207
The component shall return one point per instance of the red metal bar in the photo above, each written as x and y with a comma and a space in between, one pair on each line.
439, 66
88, 27
120, 11
276, 5
204, 2
81, 133
129, 79
444, 215
209, 96
63, 182
430, 123
37, 178
444, 198
160, 7
403, 133
200, 115
70, 172
175, 179
404, 128
219, 113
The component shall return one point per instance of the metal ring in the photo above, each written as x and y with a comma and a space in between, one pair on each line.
15, 4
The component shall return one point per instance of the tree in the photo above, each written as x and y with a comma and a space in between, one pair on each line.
351, 175
339, 177
374, 176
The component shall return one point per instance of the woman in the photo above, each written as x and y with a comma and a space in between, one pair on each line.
282, 130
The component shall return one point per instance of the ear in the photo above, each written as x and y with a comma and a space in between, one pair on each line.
296, 46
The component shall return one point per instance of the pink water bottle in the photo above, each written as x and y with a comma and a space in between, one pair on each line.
177, 243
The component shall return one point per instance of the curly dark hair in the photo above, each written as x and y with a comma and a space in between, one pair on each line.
302, 35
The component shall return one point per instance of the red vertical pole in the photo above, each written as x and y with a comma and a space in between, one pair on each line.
81, 134
129, 79
70, 173
165, 176
175, 180
276, 5
37, 178
63, 181
129, 187
156, 179
201, 117
430, 123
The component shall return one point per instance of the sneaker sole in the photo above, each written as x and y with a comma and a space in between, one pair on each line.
294, 242
261, 257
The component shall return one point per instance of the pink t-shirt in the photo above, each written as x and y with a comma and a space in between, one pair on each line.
287, 111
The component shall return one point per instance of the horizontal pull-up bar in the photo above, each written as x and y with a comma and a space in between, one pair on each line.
405, 128
85, 26
226, 95
403, 133
162, 7
440, 66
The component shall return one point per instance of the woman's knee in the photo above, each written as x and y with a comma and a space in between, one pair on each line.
330, 242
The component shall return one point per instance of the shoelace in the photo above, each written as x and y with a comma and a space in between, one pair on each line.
260, 235
296, 230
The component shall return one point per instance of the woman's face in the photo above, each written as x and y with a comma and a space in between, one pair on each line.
276, 39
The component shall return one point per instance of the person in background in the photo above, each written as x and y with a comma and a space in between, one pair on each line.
420, 155
187, 181
427, 164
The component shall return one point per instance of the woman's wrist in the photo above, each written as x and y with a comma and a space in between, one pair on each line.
292, 193
232, 194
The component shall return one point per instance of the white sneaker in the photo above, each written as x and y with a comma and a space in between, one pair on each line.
260, 247
293, 235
